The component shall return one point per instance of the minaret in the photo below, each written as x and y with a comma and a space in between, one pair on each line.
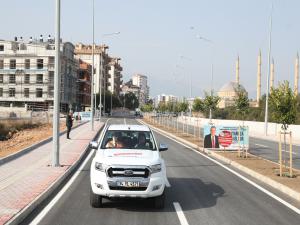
272, 74
258, 88
237, 71
296, 82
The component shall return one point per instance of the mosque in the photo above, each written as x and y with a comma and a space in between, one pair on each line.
228, 92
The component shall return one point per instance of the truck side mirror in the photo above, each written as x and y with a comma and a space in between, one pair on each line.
93, 145
163, 147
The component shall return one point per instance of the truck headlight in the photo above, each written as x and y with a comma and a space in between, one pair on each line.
156, 168
100, 166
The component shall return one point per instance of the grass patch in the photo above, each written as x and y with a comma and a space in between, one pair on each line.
9, 127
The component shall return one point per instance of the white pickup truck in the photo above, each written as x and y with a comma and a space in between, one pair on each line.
127, 164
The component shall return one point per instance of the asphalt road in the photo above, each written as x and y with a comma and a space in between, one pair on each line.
206, 192
261, 147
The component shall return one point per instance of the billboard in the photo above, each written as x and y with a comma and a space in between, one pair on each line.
84, 116
226, 137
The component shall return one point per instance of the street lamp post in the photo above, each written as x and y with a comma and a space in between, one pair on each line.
56, 102
212, 71
268, 76
92, 81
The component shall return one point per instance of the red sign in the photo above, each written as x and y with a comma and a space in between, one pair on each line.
225, 138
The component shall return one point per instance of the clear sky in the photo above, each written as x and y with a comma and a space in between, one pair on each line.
154, 33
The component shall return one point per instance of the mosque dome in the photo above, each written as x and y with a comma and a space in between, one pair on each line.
231, 87
229, 90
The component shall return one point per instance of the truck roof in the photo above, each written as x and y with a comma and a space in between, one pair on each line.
128, 127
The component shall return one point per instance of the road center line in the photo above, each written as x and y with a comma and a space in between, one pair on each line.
264, 146
180, 214
272, 195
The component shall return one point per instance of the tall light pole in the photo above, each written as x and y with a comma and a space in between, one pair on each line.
212, 70
268, 76
92, 80
56, 101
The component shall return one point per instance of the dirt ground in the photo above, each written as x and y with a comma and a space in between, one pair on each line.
26, 138
259, 165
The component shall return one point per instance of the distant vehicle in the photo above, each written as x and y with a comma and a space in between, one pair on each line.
127, 164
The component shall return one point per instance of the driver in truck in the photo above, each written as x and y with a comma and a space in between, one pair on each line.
116, 141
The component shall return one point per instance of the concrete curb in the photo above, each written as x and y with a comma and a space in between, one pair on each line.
32, 147
25, 212
278, 186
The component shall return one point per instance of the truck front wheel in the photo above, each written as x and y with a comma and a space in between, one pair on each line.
95, 200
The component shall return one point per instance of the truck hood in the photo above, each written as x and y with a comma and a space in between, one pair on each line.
127, 157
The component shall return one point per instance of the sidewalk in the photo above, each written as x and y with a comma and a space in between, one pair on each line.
25, 178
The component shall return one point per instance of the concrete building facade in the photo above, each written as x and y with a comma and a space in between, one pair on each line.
27, 74
107, 70
142, 82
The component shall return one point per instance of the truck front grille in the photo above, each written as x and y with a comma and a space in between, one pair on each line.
128, 172
128, 188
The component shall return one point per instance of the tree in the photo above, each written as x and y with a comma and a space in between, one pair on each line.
182, 106
147, 108
241, 103
198, 105
162, 107
283, 105
210, 102
131, 101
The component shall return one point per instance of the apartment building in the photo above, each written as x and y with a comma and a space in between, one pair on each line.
27, 74
107, 70
84, 86
114, 80
142, 82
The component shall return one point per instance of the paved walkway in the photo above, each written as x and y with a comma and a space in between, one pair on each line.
25, 178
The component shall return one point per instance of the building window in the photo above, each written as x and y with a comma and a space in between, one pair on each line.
12, 64
39, 92
1, 92
51, 60
12, 92
26, 92
27, 79
27, 63
1, 78
1, 48
40, 63
51, 77
12, 78
39, 78
1, 63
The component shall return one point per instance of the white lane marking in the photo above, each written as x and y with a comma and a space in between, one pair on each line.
43, 213
294, 153
180, 214
272, 195
264, 146
168, 183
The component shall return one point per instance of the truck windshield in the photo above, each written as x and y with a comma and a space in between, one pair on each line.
126, 139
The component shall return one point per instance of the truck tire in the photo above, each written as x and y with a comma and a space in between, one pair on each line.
95, 200
159, 201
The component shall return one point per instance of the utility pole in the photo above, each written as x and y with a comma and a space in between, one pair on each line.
56, 102
268, 76
100, 88
92, 80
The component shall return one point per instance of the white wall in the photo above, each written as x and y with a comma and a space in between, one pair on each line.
255, 128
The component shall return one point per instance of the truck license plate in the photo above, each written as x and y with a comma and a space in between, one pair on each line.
128, 184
